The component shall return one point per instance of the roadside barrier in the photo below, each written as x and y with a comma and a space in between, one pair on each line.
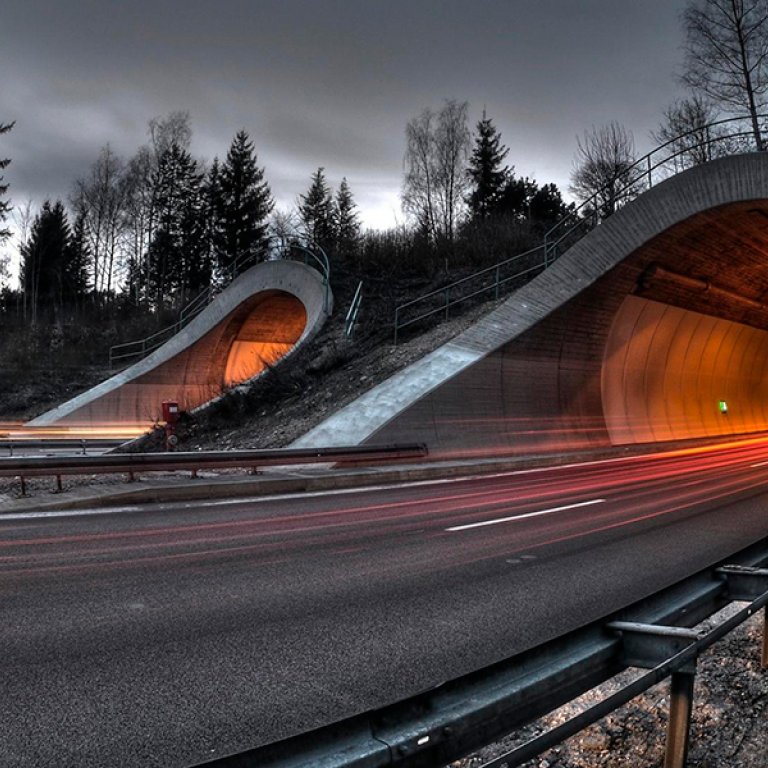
133, 464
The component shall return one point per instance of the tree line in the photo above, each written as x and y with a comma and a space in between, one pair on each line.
152, 231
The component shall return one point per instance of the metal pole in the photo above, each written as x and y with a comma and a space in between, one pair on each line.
764, 656
650, 177
678, 728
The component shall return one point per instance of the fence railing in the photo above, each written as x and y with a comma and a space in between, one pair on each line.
486, 281
293, 247
707, 142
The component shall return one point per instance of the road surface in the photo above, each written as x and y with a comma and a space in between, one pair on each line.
169, 634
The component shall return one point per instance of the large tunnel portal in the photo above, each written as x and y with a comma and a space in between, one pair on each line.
654, 327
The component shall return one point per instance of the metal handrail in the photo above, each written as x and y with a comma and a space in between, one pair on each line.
446, 290
352, 312
642, 169
575, 223
284, 247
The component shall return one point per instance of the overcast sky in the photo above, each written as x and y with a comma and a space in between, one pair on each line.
325, 82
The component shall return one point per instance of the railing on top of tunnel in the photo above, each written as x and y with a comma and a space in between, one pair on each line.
730, 136
296, 247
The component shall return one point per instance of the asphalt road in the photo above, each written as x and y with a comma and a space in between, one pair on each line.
167, 635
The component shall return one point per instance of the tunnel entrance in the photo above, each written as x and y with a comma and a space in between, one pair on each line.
670, 373
270, 331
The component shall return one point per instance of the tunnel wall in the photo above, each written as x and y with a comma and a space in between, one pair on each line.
667, 369
529, 376
193, 366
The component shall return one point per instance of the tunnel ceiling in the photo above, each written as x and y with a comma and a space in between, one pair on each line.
715, 263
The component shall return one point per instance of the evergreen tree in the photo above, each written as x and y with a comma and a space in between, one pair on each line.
318, 212
347, 222
77, 259
485, 171
44, 265
211, 208
5, 206
244, 203
514, 198
178, 260
547, 205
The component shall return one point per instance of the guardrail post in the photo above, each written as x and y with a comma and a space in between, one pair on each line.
650, 178
397, 312
679, 726
446, 303
764, 655
23, 485
58, 483
648, 645
497, 282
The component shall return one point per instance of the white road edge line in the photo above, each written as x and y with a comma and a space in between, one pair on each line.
527, 514
66, 513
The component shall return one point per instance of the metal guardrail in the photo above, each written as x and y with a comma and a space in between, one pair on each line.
275, 248
354, 309
463, 715
136, 463
635, 178
55, 443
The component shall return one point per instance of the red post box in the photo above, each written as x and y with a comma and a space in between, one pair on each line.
170, 417
170, 411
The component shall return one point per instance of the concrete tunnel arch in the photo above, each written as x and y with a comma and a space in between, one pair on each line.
635, 335
260, 318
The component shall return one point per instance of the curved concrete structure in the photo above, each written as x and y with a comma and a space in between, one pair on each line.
259, 318
652, 327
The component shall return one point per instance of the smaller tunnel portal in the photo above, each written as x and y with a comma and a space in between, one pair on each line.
269, 332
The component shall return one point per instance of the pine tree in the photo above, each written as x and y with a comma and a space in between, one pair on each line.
244, 202
44, 261
5, 206
318, 212
178, 260
77, 259
485, 171
347, 222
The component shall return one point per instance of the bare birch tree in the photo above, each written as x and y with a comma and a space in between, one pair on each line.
435, 183
688, 133
726, 52
100, 197
602, 169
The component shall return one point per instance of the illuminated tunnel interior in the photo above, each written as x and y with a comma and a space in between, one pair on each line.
269, 332
671, 342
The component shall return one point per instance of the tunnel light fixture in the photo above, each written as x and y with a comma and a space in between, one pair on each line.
723, 406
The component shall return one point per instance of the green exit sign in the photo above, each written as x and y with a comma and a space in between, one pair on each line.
723, 406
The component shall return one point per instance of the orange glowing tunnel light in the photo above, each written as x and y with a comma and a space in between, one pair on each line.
268, 334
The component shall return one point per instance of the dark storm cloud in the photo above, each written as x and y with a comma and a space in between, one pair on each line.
324, 83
